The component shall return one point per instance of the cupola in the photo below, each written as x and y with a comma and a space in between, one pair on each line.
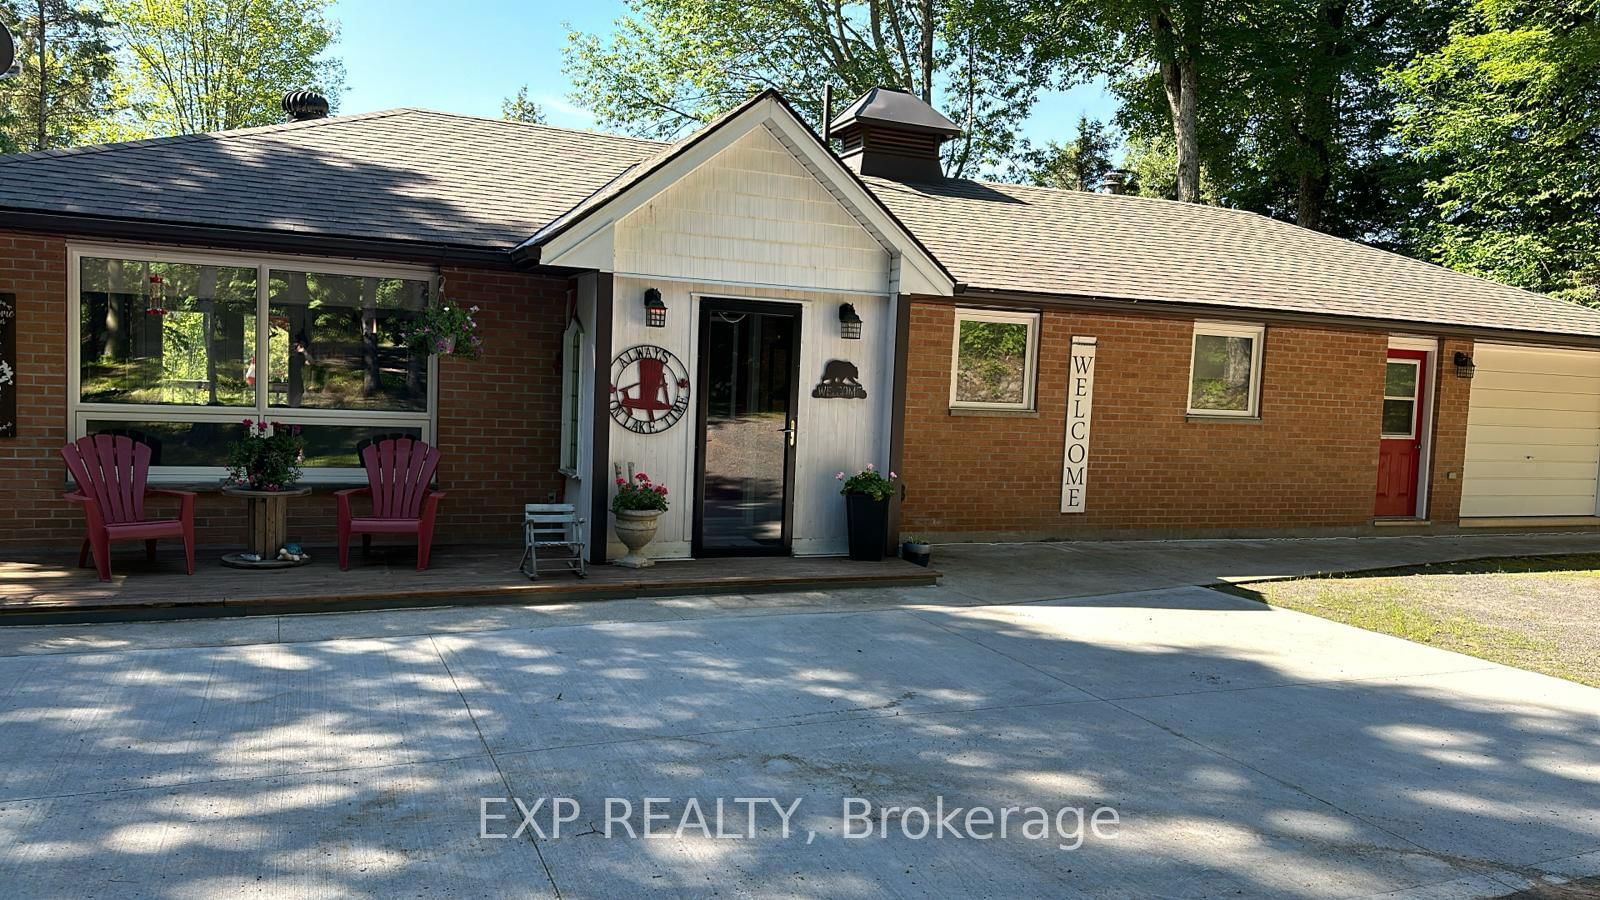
893, 134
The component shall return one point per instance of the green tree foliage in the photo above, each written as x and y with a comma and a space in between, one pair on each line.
1509, 112
211, 65
64, 89
672, 65
519, 108
1080, 164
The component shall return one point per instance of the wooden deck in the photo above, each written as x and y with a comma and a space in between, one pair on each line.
53, 589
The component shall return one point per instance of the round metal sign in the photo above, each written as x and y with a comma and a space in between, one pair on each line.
649, 389
8, 52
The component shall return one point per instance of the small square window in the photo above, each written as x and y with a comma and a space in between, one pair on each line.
1225, 370
994, 360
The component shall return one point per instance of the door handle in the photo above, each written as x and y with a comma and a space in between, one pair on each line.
789, 431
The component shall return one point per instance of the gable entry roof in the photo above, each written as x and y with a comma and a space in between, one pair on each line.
627, 191
417, 184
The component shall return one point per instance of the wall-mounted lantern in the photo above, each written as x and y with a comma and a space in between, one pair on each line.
655, 312
849, 322
1464, 365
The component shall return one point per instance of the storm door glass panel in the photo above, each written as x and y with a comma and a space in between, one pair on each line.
171, 334
748, 388
336, 342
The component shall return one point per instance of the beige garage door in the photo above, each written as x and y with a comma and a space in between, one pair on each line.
1533, 433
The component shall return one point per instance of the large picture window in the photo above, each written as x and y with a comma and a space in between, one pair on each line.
177, 349
994, 359
1225, 370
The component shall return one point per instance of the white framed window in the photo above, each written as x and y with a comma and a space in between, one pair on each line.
180, 348
994, 359
571, 394
1225, 369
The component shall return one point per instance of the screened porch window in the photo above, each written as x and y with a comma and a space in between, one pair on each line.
178, 349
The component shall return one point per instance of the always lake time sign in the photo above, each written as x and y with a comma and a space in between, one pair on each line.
649, 389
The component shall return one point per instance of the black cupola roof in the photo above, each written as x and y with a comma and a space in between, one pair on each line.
893, 134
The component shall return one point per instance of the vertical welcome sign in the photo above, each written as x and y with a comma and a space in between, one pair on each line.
8, 365
1080, 407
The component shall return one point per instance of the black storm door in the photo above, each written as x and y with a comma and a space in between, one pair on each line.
749, 370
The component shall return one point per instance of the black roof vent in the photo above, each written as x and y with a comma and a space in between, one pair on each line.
303, 106
893, 134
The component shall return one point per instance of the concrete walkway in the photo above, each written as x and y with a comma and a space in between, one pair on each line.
1247, 751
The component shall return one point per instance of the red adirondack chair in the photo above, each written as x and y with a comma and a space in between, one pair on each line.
398, 473
111, 472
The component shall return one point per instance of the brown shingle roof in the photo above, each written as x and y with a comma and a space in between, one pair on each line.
411, 175
402, 174
1011, 237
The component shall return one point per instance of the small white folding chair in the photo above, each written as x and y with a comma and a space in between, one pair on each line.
548, 526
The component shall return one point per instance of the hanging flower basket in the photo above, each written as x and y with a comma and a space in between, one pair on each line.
447, 329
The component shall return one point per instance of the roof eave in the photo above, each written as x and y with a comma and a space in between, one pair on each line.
977, 294
258, 239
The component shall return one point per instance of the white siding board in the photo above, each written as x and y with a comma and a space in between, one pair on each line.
752, 214
1533, 433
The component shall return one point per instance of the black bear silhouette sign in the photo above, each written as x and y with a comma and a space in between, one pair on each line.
841, 380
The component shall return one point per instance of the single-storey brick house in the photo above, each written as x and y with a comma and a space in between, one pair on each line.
746, 312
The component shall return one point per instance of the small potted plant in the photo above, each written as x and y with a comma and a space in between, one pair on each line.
866, 504
915, 548
447, 329
637, 505
267, 458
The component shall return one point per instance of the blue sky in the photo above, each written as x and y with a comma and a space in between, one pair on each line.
468, 55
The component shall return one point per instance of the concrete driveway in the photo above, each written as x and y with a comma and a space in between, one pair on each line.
1245, 751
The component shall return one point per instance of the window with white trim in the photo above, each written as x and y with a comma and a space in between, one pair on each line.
1225, 370
571, 385
179, 349
994, 359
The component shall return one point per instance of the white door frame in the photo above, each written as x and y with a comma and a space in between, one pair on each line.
1430, 392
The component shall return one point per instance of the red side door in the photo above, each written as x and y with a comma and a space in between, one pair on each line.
1400, 449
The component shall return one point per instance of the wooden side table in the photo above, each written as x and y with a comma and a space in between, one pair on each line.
266, 518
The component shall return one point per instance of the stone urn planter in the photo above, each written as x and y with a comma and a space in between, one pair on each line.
635, 528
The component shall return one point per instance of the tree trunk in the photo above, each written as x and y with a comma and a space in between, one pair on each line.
1180, 77
926, 51
1317, 131
371, 383
42, 140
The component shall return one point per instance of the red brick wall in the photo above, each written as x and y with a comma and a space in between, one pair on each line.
1449, 434
1309, 464
499, 425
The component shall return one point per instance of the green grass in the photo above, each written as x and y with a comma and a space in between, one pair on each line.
1540, 613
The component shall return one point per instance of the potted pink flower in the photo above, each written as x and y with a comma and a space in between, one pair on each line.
638, 503
866, 505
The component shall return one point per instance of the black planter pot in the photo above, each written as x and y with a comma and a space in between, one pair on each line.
869, 526
916, 553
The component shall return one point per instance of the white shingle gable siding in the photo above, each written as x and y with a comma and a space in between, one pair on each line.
752, 214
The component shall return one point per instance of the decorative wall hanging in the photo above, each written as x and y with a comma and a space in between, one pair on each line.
8, 361
649, 389
1080, 410
840, 381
